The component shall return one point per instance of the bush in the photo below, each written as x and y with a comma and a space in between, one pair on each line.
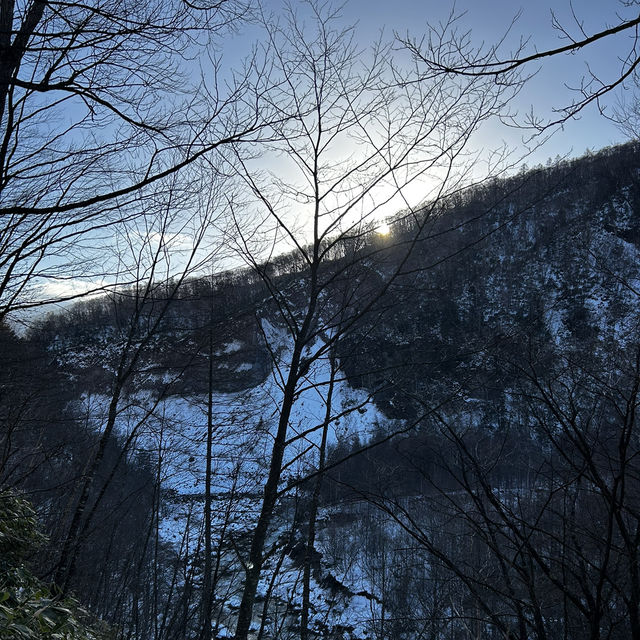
28, 608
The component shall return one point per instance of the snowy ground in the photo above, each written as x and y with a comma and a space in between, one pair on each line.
173, 432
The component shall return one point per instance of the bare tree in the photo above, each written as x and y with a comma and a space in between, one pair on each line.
536, 523
142, 309
99, 103
461, 58
358, 135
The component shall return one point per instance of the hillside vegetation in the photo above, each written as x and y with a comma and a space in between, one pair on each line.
462, 455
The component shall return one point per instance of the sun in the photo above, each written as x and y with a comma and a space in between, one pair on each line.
383, 229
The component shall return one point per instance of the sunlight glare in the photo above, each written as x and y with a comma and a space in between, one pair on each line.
383, 229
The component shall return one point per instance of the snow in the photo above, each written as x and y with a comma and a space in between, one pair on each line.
230, 347
173, 430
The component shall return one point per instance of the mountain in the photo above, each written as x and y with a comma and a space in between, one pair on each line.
467, 394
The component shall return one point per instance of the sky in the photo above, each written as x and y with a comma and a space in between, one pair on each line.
487, 21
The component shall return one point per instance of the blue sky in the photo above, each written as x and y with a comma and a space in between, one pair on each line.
488, 20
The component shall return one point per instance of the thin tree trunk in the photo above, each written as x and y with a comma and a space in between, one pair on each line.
254, 564
207, 586
313, 511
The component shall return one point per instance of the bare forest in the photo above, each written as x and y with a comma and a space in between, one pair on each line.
292, 345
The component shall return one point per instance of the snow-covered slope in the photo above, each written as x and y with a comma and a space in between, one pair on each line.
170, 432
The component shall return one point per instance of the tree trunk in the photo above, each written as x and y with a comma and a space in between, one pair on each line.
313, 512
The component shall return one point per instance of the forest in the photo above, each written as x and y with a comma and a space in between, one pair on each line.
251, 387
464, 460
